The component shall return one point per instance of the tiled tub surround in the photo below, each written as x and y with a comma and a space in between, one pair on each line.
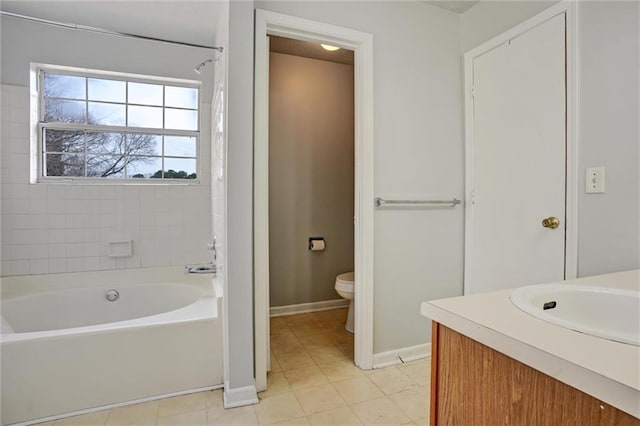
54, 228
51, 370
312, 381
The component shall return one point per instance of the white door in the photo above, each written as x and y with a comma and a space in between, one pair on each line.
517, 162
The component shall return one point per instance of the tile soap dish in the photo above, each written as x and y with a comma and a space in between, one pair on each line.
122, 248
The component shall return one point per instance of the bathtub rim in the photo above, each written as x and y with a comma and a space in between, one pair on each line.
205, 308
208, 306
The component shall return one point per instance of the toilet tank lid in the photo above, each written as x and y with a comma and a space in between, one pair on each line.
346, 277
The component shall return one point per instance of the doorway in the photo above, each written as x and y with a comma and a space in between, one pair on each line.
274, 24
520, 153
311, 166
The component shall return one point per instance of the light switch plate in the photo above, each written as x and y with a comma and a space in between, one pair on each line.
594, 178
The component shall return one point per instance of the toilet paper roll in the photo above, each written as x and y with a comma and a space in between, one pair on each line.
316, 245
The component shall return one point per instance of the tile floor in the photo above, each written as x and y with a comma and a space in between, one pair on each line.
313, 381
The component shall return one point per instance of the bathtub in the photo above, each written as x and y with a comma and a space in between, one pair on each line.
67, 350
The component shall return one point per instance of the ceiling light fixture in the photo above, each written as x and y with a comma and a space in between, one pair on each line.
329, 47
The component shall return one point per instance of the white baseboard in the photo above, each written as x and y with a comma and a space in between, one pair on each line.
277, 311
402, 355
239, 396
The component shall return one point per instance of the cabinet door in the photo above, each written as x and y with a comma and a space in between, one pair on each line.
472, 384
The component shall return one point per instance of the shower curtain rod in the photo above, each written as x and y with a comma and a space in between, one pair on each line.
107, 32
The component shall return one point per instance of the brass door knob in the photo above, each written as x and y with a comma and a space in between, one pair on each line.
551, 222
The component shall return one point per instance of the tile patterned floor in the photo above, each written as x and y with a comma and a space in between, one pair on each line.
313, 381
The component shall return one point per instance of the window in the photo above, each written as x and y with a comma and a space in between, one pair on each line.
100, 126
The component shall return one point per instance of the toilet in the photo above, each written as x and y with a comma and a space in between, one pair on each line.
344, 287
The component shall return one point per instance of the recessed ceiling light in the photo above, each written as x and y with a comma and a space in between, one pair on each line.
329, 47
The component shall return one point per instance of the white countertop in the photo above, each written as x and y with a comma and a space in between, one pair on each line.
607, 370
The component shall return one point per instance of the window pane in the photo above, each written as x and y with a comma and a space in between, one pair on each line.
145, 117
106, 127
144, 167
64, 111
180, 146
106, 143
106, 114
64, 165
181, 97
179, 168
107, 90
145, 94
63, 141
64, 86
144, 144
105, 166
180, 119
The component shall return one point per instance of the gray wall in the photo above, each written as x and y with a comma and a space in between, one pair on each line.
239, 212
311, 172
24, 42
417, 153
608, 111
608, 224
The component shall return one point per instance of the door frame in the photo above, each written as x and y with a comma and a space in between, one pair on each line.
570, 10
271, 23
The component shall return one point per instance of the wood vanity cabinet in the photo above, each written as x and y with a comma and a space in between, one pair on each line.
474, 385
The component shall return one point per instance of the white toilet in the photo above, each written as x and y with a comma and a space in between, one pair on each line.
344, 287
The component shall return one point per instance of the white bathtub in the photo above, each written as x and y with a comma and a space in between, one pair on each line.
66, 349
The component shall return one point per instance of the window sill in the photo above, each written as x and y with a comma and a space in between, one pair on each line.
119, 182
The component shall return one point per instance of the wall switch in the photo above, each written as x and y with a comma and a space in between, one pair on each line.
595, 180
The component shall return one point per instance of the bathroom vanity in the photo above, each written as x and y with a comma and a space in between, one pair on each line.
492, 363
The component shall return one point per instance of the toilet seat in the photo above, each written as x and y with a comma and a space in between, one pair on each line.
344, 282
345, 288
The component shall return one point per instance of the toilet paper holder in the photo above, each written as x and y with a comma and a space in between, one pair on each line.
317, 244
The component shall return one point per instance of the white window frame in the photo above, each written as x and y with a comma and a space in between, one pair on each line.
39, 125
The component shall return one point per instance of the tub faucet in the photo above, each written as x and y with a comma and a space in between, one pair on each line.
212, 247
200, 269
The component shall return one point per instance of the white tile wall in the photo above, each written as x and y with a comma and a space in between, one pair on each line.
52, 228
218, 162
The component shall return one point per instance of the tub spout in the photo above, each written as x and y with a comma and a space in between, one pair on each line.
200, 269
212, 247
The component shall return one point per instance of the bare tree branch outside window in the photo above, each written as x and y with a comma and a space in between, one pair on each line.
91, 138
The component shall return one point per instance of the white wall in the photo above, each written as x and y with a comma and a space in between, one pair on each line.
50, 228
219, 141
608, 132
418, 152
488, 19
219, 135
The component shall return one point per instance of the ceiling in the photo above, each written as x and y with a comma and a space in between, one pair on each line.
309, 50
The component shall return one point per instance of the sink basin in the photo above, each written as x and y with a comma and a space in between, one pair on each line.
612, 314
